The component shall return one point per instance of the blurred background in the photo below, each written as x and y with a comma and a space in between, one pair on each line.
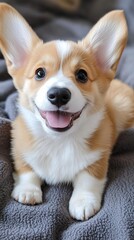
72, 19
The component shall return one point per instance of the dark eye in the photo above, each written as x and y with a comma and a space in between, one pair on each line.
81, 76
40, 73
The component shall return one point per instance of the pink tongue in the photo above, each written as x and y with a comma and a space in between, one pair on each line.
58, 119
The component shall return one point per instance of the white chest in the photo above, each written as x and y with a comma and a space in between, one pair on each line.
59, 161
59, 158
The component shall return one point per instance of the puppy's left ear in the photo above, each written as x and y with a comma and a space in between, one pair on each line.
17, 39
107, 39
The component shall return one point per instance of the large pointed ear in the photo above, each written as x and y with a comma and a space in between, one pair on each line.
107, 39
17, 39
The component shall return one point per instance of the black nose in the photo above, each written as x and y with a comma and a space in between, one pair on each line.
59, 96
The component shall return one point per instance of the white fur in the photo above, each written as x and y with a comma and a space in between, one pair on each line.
27, 188
60, 80
63, 49
77, 101
58, 157
86, 197
62, 158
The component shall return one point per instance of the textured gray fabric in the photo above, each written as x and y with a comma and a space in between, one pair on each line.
51, 220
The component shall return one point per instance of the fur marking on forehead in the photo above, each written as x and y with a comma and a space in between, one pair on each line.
63, 48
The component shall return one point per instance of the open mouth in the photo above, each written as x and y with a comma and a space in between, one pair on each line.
59, 120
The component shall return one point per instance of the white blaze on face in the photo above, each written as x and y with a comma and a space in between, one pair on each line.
63, 49
74, 105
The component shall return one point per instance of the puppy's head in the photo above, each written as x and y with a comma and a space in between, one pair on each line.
62, 82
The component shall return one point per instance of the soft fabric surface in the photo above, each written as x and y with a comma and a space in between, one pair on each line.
51, 220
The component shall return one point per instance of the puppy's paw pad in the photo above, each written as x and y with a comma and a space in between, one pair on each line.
84, 206
27, 195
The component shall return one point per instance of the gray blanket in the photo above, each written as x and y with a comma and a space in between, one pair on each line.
51, 220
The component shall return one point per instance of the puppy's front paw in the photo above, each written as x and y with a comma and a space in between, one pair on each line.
29, 194
84, 205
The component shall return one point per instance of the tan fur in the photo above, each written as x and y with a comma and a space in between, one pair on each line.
19, 133
120, 105
119, 116
99, 168
103, 139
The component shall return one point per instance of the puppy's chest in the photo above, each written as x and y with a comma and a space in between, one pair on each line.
59, 161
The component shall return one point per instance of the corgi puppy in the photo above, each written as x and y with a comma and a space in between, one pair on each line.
70, 110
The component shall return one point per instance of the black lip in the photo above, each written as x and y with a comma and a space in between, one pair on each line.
74, 117
61, 129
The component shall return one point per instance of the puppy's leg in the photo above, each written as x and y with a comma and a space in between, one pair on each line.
88, 189
27, 186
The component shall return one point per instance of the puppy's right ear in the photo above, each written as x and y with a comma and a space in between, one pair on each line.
17, 39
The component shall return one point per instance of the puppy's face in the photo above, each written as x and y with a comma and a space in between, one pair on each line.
62, 82
60, 85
